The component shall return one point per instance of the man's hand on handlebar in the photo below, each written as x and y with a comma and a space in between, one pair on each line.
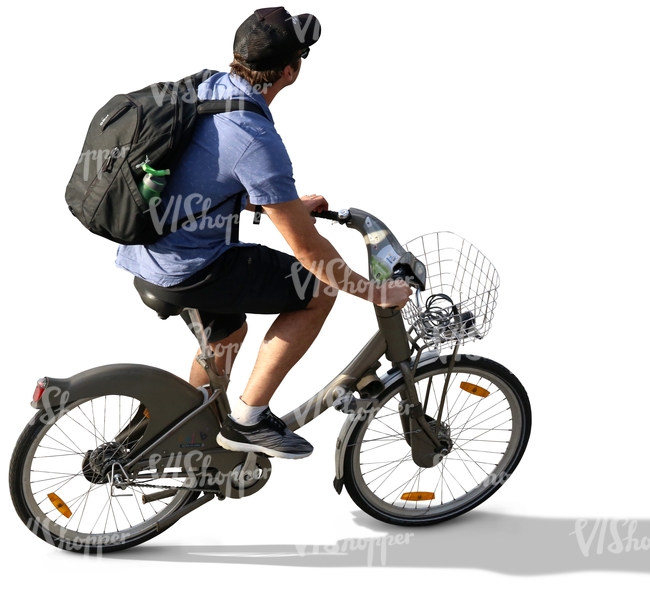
315, 203
392, 294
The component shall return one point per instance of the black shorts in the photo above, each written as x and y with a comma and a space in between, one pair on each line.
253, 279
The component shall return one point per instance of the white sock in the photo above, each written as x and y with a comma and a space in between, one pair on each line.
246, 415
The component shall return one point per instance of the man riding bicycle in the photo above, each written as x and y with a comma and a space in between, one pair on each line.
204, 266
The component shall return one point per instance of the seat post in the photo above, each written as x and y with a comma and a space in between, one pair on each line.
199, 331
207, 360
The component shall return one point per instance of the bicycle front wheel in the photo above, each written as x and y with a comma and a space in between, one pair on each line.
60, 478
486, 422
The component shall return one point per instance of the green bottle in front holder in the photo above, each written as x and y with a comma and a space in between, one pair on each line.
153, 183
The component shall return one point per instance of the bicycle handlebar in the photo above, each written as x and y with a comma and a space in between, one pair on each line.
341, 216
379, 239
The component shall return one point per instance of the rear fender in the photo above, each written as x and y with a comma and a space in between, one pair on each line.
166, 396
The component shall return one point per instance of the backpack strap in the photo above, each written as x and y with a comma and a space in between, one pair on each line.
237, 199
214, 107
234, 236
227, 106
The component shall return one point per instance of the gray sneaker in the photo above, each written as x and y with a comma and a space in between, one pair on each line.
270, 436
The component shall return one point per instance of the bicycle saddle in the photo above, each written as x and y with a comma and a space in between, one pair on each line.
163, 309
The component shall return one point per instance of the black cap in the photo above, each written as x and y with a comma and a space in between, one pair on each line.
270, 38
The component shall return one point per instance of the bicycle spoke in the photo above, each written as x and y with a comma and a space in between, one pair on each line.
478, 431
68, 454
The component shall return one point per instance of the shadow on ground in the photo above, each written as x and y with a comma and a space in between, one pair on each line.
487, 541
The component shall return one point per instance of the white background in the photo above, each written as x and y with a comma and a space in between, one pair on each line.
522, 126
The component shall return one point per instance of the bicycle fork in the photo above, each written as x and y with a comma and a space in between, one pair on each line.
427, 449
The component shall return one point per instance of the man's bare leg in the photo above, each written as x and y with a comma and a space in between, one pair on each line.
225, 352
286, 341
251, 427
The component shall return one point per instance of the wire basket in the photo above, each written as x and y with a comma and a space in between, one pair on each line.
460, 296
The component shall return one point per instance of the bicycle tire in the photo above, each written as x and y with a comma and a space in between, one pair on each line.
50, 457
380, 475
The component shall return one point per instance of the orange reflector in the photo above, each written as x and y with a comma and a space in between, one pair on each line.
473, 389
60, 505
146, 413
418, 496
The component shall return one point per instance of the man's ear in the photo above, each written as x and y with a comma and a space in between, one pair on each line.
288, 73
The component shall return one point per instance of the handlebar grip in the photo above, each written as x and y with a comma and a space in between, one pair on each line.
326, 215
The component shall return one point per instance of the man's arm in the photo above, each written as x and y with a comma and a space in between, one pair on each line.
317, 254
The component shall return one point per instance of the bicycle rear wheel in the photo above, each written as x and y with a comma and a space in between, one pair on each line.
486, 419
59, 478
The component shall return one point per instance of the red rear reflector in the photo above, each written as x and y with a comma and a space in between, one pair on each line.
41, 385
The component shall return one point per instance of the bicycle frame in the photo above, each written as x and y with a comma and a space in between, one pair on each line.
179, 426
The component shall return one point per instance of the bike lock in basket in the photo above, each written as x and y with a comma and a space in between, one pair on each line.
458, 303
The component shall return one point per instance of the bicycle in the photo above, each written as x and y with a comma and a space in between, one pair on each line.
117, 454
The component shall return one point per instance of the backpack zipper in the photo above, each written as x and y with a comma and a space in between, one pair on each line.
105, 124
175, 100
107, 166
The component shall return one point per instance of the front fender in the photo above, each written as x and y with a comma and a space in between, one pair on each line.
343, 441
351, 421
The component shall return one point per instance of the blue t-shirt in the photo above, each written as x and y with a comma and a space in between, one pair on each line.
229, 153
